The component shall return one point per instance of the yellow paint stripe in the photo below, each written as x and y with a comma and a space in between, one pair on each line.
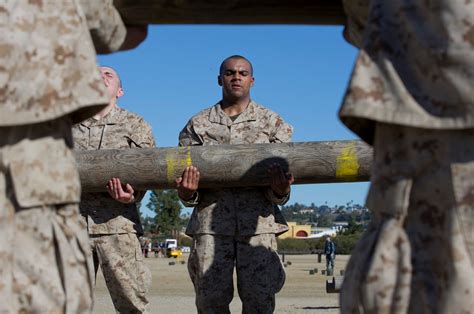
347, 163
176, 161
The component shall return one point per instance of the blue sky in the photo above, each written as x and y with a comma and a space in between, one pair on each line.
301, 72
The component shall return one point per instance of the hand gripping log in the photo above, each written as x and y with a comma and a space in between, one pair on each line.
226, 165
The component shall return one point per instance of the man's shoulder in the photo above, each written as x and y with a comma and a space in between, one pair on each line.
262, 110
204, 114
126, 116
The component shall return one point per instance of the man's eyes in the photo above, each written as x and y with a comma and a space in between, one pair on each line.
243, 73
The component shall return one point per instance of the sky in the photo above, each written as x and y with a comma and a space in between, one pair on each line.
301, 72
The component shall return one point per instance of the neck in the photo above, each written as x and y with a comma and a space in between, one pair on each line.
232, 108
105, 111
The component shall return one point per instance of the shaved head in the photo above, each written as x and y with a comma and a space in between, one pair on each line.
222, 67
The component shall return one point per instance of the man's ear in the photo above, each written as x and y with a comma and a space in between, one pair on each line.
120, 92
219, 80
253, 81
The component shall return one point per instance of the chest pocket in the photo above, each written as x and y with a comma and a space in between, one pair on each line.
115, 136
46, 174
250, 133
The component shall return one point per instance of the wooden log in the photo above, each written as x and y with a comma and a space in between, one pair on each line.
226, 165
328, 12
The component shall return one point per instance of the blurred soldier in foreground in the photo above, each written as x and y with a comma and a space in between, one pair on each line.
411, 96
113, 221
237, 226
48, 80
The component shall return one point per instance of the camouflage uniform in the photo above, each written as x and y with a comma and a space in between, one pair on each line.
48, 78
411, 96
236, 225
114, 227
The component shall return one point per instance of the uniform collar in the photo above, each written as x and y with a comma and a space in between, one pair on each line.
107, 120
217, 115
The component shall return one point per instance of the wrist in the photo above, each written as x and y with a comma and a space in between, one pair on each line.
130, 200
188, 196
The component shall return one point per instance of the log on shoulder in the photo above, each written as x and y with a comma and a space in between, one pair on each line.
226, 165
328, 12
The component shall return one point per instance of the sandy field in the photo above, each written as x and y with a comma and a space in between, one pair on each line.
172, 291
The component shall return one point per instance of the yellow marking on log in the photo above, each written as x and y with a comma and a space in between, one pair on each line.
347, 163
176, 161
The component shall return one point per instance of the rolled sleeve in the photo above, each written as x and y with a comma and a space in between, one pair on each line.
192, 202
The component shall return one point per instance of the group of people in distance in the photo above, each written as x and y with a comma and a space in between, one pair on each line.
410, 97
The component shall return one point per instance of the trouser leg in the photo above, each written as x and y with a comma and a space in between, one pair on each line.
260, 273
211, 268
125, 274
43, 243
51, 273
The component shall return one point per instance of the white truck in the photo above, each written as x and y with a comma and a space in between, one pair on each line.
171, 243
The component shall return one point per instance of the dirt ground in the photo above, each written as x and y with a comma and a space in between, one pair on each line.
173, 292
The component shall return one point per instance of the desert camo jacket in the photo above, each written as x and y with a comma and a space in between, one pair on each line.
236, 211
119, 129
415, 66
44, 76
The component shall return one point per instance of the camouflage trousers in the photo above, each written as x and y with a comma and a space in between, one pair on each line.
127, 277
43, 243
260, 273
418, 254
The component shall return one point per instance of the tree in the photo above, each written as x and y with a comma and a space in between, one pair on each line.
325, 220
166, 205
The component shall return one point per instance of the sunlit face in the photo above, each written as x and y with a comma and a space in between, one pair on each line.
112, 82
236, 78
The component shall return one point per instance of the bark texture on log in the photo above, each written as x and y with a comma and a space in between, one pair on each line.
226, 165
327, 12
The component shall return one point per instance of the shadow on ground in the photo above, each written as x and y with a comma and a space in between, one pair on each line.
317, 308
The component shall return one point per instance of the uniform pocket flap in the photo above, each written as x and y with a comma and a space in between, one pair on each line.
46, 174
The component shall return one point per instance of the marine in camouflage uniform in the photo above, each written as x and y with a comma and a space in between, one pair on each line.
411, 96
48, 80
236, 226
114, 224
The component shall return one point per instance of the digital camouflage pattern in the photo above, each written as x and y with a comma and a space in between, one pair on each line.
411, 96
236, 211
417, 255
119, 129
48, 59
114, 226
236, 226
415, 66
39, 232
126, 276
48, 77
260, 273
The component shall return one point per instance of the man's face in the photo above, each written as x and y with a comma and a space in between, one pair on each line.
236, 79
112, 82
